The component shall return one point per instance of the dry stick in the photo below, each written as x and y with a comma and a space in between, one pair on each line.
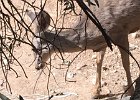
49, 52
49, 78
78, 53
7, 22
11, 52
16, 60
20, 28
128, 88
71, 8
36, 81
30, 4
70, 64
19, 21
7, 82
8, 60
49, 69
10, 3
54, 77
2, 42
14, 72
59, 39
40, 76
50, 72
86, 33
21, 31
22, 12
56, 31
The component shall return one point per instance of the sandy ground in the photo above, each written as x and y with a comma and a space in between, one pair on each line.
80, 76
